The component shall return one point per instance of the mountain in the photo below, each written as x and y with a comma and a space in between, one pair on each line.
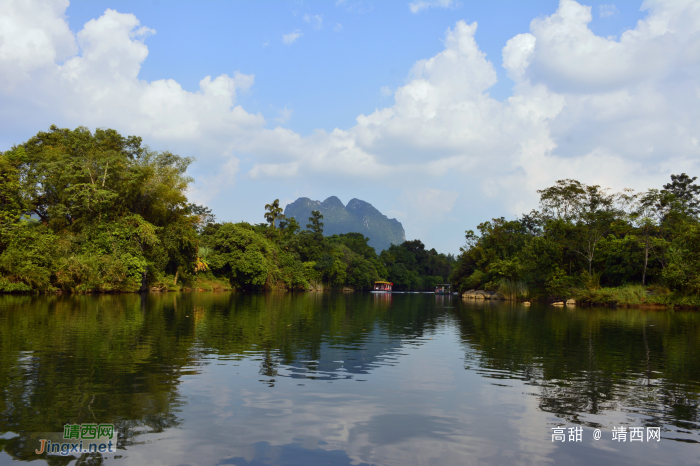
357, 217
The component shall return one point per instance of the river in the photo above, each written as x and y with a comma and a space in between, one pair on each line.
348, 379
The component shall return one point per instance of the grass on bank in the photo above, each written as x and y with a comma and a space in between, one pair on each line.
201, 282
209, 283
635, 295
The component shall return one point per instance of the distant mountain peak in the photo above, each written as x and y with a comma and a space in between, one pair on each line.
357, 217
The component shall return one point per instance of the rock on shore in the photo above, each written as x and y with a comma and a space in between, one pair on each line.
482, 294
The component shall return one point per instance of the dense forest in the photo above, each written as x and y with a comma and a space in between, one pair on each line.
592, 244
99, 212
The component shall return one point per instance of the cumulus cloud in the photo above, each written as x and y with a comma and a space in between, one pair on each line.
292, 37
606, 11
283, 115
32, 39
420, 5
316, 21
617, 112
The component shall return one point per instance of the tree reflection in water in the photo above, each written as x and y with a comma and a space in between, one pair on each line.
121, 358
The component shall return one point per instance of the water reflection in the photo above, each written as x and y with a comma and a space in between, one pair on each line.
587, 361
225, 378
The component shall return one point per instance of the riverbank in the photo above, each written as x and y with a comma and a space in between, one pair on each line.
636, 296
653, 296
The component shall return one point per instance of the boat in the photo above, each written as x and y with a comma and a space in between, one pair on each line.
443, 288
382, 287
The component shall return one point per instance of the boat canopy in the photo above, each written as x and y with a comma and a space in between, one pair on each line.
384, 283
443, 288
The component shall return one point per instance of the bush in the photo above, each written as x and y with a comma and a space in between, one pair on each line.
513, 289
473, 281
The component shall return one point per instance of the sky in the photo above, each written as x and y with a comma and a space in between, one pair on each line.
440, 113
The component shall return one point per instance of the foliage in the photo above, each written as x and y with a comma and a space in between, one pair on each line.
513, 289
411, 267
274, 213
585, 239
315, 225
87, 211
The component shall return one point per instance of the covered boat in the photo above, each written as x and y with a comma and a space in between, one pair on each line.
443, 288
383, 286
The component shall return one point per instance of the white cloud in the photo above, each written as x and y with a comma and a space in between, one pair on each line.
420, 208
292, 37
275, 170
430, 202
284, 115
419, 5
100, 86
606, 11
32, 39
620, 113
360, 7
338, 27
316, 21
386, 91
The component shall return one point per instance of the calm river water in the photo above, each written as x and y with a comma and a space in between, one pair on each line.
348, 379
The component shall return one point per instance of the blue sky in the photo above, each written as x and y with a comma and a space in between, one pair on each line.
442, 114
327, 77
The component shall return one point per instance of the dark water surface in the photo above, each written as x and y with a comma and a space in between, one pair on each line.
347, 379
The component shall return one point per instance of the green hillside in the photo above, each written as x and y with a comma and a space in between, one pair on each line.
358, 216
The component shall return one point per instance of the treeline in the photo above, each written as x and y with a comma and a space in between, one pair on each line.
280, 255
586, 238
85, 212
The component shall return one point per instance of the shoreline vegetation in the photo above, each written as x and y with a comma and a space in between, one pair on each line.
84, 212
592, 245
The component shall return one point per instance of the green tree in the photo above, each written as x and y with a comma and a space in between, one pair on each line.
356, 242
685, 192
274, 213
682, 272
114, 212
10, 199
315, 225
646, 216
564, 200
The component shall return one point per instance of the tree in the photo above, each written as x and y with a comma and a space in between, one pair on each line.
315, 225
682, 272
244, 256
356, 242
646, 217
685, 193
274, 213
10, 200
111, 210
591, 210
563, 200
203, 214
289, 227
